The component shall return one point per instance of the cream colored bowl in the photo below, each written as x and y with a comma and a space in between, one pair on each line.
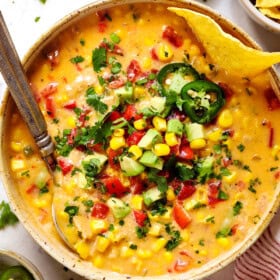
48, 241
8, 258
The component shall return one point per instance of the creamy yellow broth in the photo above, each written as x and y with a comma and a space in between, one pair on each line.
243, 140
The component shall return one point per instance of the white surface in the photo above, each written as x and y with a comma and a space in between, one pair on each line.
20, 15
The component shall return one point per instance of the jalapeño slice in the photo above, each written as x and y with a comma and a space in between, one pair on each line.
16, 273
202, 100
172, 77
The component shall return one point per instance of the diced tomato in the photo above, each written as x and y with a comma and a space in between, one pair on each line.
175, 150
114, 116
96, 147
234, 229
136, 185
240, 185
133, 71
154, 54
102, 25
70, 105
71, 136
31, 189
187, 190
65, 165
114, 186
50, 107
100, 210
186, 152
213, 191
135, 137
277, 175
180, 215
272, 100
226, 161
172, 36
130, 113
181, 265
140, 217
116, 83
115, 50
49, 89
113, 158
82, 117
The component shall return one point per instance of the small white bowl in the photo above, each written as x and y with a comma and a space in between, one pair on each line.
8, 258
258, 17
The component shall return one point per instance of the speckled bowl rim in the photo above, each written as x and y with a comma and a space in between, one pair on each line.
20, 260
259, 18
56, 249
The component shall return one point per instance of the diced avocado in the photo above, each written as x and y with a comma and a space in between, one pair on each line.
174, 125
194, 131
185, 171
155, 107
177, 83
149, 159
119, 208
152, 195
151, 137
166, 111
131, 167
125, 92
96, 160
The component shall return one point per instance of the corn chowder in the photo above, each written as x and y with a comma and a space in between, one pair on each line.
164, 161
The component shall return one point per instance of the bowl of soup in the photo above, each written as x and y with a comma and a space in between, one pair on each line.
167, 166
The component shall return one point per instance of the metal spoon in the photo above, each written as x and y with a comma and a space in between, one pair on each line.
15, 78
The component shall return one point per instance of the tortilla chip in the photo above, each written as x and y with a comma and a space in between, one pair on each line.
267, 3
226, 51
271, 12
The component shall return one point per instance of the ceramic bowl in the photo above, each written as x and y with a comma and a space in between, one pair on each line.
259, 18
49, 241
8, 258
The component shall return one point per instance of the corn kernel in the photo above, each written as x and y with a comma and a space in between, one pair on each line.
194, 50
98, 261
164, 52
147, 62
171, 139
168, 256
229, 143
214, 135
82, 249
197, 144
190, 204
215, 252
140, 124
161, 149
224, 242
230, 178
17, 164
158, 244
139, 91
248, 177
185, 235
167, 214
155, 229
138, 263
102, 243
170, 195
61, 98
71, 234
239, 195
118, 132
117, 142
275, 150
144, 254
16, 146
126, 252
98, 89
137, 202
97, 226
69, 188
136, 151
203, 252
120, 33
225, 119
159, 123
71, 122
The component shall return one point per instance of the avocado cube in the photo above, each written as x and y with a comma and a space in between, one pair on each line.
149, 159
124, 92
97, 159
131, 167
119, 208
174, 125
151, 137
194, 131
152, 195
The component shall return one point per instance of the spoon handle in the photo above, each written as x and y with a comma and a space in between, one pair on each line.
14, 75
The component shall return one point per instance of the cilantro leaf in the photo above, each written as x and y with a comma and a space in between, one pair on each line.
99, 58
77, 59
93, 100
71, 211
237, 208
7, 217
160, 181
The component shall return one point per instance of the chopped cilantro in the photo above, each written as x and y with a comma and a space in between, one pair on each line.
205, 169
237, 208
199, 205
77, 59
210, 219
175, 239
7, 217
93, 100
88, 204
241, 147
43, 1
82, 42
225, 171
252, 184
71, 211
141, 232
44, 189
158, 208
75, 171
160, 181
62, 146
115, 38
133, 246
222, 195
25, 173
37, 19
224, 232
111, 227
217, 149
91, 168
201, 242
55, 120
99, 59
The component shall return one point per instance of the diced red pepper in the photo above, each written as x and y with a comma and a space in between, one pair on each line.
65, 165
113, 158
114, 186
100, 210
180, 215
115, 50
226, 161
172, 36
82, 117
277, 175
71, 136
70, 105
133, 71
213, 191
136, 185
154, 54
130, 113
32, 189
114, 116
181, 265
186, 152
49, 89
140, 217
116, 83
50, 107
272, 100
234, 229
102, 26
135, 137
187, 190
